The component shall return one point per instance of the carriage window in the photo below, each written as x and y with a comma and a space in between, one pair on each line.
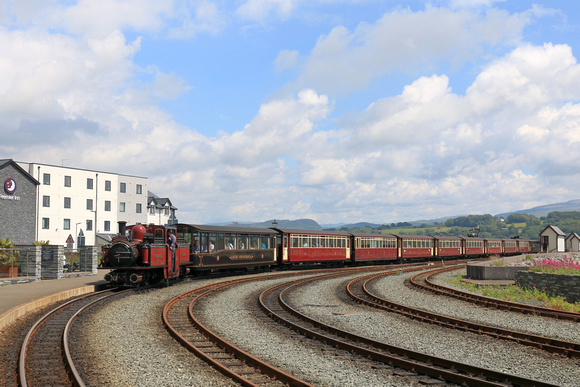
243, 242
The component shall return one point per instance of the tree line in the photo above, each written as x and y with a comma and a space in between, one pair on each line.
524, 226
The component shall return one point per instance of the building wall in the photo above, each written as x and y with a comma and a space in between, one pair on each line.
572, 244
17, 210
556, 243
95, 202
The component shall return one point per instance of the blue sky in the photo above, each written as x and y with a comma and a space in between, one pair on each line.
340, 111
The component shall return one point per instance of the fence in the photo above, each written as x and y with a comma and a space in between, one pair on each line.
33, 263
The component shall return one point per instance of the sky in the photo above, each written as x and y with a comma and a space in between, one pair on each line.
334, 110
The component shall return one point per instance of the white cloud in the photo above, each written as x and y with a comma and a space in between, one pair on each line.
404, 40
286, 59
258, 10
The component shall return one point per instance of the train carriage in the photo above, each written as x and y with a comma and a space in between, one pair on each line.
474, 247
448, 246
509, 247
374, 247
221, 248
313, 247
415, 246
523, 246
492, 246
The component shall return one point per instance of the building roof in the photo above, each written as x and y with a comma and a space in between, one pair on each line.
555, 229
6, 162
573, 235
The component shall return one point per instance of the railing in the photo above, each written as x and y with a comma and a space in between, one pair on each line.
18, 263
77, 261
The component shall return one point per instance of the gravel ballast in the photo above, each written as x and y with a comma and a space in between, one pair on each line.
129, 346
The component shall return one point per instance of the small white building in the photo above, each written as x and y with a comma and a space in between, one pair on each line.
573, 242
160, 210
552, 240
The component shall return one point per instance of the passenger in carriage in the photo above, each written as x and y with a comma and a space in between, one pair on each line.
211, 247
196, 247
230, 245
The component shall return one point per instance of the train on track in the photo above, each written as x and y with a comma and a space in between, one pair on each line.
145, 254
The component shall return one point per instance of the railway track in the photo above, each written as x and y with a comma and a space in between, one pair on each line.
178, 317
273, 303
424, 282
45, 358
358, 290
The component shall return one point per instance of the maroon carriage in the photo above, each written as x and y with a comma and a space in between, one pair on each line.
474, 247
448, 246
308, 246
523, 246
509, 246
492, 246
415, 246
374, 247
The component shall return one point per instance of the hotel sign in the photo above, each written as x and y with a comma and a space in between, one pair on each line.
9, 188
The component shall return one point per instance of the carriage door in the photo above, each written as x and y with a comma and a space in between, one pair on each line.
282, 248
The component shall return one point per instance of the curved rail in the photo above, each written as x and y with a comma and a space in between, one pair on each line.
230, 360
424, 282
359, 292
54, 341
273, 303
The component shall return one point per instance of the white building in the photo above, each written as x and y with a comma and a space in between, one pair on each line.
160, 210
74, 202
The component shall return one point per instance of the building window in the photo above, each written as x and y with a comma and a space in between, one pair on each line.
138, 208
123, 187
66, 202
167, 211
89, 183
107, 225
67, 181
152, 210
107, 185
45, 223
46, 178
90, 204
107, 205
89, 225
66, 224
139, 189
122, 207
46, 201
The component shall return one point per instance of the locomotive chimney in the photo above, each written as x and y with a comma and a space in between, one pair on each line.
122, 227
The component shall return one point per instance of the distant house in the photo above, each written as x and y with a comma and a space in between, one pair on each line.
552, 240
573, 242
160, 210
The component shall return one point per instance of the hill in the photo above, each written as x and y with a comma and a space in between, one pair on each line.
571, 205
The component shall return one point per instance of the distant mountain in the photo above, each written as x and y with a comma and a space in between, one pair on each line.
310, 224
572, 205
301, 224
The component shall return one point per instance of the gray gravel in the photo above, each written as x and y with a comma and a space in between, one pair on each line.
469, 348
121, 355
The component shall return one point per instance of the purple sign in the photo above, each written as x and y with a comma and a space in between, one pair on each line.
10, 186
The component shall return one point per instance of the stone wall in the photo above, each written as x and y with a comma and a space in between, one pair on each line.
18, 220
484, 272
52, 262
565, 285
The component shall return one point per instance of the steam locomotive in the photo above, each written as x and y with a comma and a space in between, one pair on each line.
144, 254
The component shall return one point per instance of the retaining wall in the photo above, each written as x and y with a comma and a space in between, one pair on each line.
565, 285
484, 272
